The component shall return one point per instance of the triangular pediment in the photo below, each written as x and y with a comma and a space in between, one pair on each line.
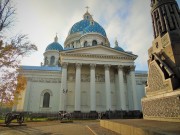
99, 50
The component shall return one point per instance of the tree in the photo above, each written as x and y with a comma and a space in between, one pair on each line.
11, 52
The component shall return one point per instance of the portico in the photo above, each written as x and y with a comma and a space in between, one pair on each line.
74, 59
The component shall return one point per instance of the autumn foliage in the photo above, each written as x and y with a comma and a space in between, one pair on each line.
12, 50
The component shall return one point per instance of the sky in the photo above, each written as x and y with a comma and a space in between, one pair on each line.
128, 21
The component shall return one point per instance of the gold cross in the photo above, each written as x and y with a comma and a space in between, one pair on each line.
87, 8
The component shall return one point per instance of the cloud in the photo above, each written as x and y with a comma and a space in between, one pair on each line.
130, 23
128, 20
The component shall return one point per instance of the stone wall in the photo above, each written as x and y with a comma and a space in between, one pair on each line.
166, 108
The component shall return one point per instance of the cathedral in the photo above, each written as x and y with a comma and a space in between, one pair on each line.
86, 75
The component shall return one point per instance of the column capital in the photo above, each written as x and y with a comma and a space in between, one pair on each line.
120, 67
78, 65
107, 66
132, 68
64, 64
92, 66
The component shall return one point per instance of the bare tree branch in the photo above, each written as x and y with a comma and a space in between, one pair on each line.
10, 55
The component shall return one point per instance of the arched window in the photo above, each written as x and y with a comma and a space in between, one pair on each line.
94, 42
46, 100
85, 43
52, 60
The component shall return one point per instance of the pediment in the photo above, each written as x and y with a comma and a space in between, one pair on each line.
99, 50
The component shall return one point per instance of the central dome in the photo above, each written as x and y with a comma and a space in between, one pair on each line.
86, 32
85, 26
95, 27
79, 26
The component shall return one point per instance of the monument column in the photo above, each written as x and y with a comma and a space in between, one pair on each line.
92, 88
107, 87
78, 88
134, 92
121, 96
63, 87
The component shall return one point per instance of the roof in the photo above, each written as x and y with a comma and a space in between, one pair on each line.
85, 26
118, 48
141, 72
95, 27
54, 46
42, 68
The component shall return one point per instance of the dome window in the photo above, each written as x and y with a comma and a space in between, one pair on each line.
94, 42
92, 22
52, 60
85, 44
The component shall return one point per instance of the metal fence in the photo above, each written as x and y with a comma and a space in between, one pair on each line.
82, 115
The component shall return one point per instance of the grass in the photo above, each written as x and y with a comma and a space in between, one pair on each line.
28, 120
1, 121
36, 119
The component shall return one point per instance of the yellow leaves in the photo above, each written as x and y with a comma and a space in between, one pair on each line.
21, 86
21, 83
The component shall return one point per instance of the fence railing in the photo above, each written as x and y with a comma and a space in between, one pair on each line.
82, 115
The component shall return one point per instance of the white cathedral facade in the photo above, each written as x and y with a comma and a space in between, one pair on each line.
87, 75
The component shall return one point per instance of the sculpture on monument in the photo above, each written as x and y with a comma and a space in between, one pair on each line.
162, 101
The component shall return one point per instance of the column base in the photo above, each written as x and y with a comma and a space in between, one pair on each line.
77, 111
93, 112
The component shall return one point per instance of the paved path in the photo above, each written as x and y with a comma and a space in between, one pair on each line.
56, 128
148, 127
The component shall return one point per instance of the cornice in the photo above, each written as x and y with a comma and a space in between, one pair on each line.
98, 46
98, 56
44, 80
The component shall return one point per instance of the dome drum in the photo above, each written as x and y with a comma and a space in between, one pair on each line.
51, 58
90, 38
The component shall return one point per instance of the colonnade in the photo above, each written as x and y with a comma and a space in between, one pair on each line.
121, 98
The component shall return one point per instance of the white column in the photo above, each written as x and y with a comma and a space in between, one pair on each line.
133, 81
121, 96
49, 60
107, 87
63, 87
92, 88
78, 88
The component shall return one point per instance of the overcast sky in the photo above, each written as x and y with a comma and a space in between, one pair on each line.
127, 20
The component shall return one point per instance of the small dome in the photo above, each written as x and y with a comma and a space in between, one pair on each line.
54, 46
118, 48
95, 27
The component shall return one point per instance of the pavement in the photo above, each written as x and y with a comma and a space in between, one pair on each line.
145, 127
77, 127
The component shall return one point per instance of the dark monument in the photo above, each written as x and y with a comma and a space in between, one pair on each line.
162, 101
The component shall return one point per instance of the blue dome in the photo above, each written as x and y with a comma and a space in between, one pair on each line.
54, 46
79, 26
86, 27
118, 48
95, 28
